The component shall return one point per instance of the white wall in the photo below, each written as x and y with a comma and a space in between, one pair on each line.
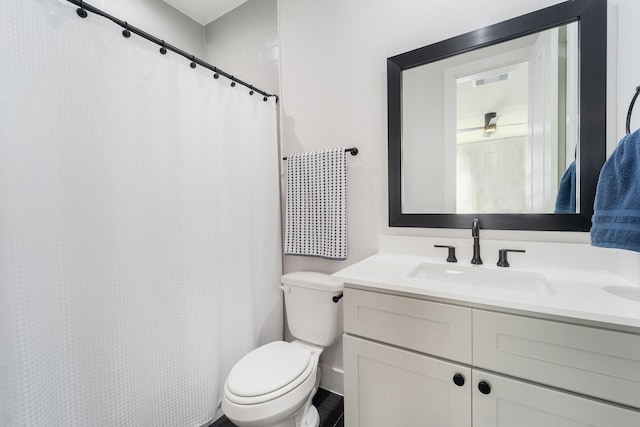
244, 42
333, 87
333, 65
159, 19
628, 64
333, 93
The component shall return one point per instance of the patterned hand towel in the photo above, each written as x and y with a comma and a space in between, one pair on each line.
616, 216
316, 210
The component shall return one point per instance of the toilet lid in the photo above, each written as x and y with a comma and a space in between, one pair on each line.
268, 368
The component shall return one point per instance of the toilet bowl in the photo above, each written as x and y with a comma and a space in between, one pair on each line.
273, 386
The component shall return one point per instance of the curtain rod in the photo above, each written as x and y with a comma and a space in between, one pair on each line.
352, 150
164, 46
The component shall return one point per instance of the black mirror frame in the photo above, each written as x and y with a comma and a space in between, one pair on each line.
592, 16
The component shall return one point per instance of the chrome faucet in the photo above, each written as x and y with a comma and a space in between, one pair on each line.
475, 233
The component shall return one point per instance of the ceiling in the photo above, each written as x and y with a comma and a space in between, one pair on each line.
204, 11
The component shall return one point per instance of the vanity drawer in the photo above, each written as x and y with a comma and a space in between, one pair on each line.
438, 329
595, 362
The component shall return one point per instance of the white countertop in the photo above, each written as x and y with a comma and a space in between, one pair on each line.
579, 295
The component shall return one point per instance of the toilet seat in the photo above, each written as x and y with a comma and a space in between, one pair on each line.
269, 372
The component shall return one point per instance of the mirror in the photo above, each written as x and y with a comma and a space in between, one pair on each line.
504, 145
505, 124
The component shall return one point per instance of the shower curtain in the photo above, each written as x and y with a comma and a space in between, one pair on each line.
139, 226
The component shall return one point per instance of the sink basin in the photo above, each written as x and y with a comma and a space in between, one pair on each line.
504, 279
628, 292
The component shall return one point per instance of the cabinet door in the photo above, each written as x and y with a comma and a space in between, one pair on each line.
509, 402
591, 361
387, 386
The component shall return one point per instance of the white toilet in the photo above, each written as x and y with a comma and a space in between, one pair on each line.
274, 384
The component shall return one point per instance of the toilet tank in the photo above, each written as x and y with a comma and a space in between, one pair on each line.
312, 315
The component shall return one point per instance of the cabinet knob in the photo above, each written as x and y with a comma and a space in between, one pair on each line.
484, 387
458, 379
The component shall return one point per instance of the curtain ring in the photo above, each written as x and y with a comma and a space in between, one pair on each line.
82, 13
193, 63
126, 33
251, 91
163, 50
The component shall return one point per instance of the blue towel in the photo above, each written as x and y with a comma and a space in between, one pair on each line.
566, 199
616, 216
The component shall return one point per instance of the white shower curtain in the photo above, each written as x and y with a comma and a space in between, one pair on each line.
139, 226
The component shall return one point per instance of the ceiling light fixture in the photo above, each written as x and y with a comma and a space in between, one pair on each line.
490, 122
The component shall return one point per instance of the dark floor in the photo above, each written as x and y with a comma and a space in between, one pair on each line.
330, 407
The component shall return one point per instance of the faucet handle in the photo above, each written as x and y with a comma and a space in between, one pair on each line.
452, 252
502, 256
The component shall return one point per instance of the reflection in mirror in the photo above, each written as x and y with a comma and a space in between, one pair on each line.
494, 130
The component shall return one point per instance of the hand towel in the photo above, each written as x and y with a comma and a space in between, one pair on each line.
616, 216
316, 211
566, 198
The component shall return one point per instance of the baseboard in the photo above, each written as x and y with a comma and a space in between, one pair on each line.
332, 379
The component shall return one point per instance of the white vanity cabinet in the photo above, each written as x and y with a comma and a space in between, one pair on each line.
401, 356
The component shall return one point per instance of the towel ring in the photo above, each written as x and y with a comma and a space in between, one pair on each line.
633, 101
